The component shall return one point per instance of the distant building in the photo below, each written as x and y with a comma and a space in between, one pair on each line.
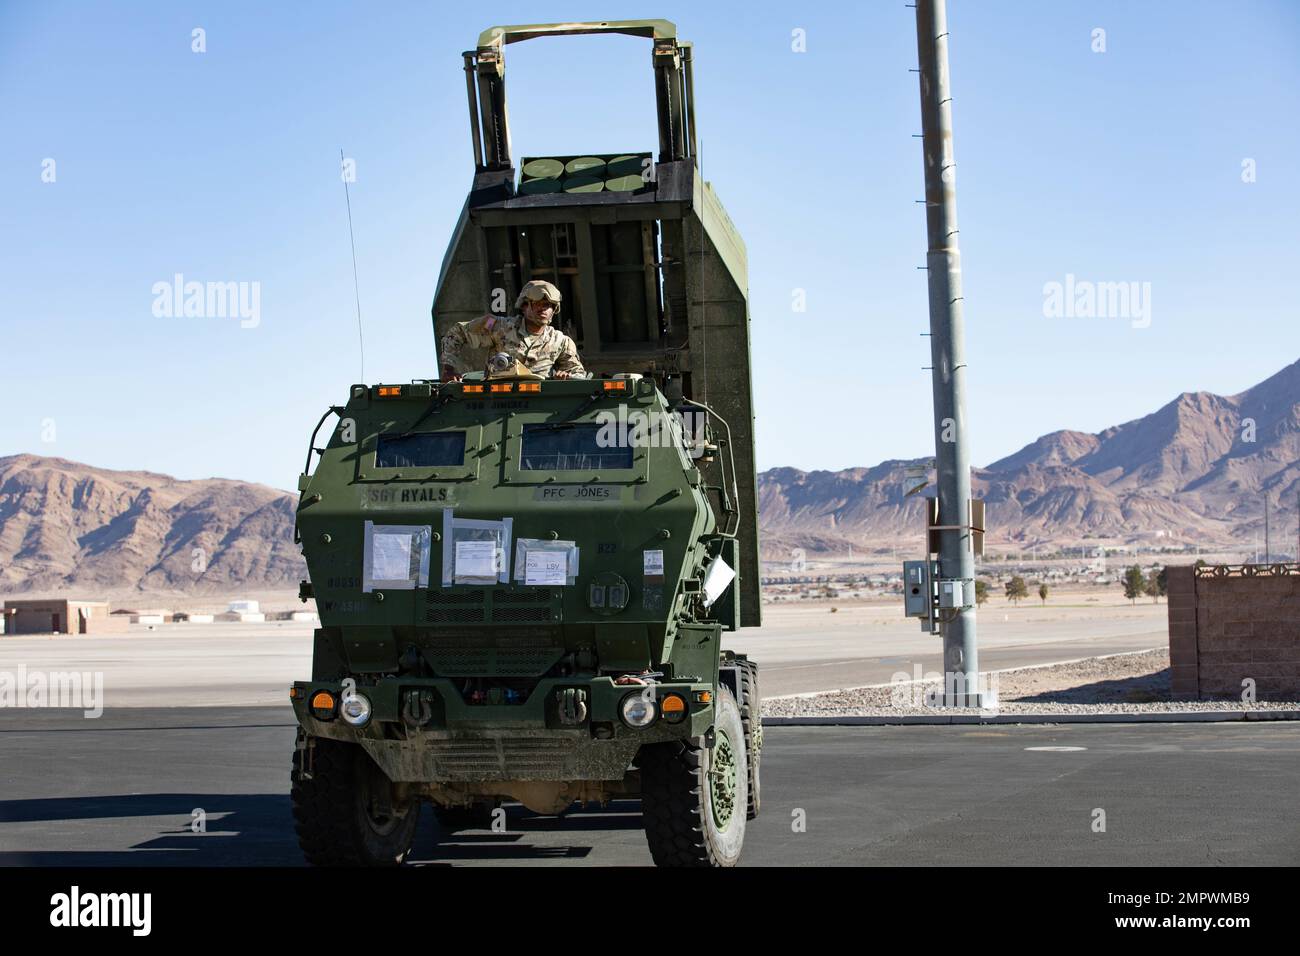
61, 616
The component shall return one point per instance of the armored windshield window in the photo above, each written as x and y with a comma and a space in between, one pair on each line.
571, 448
421, 451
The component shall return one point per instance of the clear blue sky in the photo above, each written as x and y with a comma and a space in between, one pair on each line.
223, 166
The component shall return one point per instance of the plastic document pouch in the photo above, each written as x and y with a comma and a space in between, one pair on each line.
475, 551
539, 555
396, 557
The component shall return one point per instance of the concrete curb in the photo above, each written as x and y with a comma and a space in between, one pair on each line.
1182, 717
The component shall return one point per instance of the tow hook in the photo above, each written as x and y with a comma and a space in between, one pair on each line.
418, 710
573, 705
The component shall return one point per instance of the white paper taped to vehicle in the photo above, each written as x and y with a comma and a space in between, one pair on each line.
475, 551
716, 580
390, 556
653, 562
527, 546
477, 559
545, 567
395, 556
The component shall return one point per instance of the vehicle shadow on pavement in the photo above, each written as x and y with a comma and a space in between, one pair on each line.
257, 830
527, 835
240, 830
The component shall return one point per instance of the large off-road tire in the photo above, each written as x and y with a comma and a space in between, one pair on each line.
693, 800
337, 819
751, 718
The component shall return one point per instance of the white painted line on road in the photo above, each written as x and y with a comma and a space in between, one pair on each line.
1058, 749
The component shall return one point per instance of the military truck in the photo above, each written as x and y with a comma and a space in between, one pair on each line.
523, 584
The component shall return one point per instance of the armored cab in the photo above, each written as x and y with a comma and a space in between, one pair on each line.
523, 583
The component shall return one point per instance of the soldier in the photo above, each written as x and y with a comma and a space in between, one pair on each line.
527, 337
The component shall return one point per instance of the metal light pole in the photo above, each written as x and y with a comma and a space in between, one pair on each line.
1267, 551
947, 349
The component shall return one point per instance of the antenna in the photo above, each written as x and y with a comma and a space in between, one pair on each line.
704, 331
356, 286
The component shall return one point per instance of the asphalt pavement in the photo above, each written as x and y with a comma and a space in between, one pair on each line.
124, 789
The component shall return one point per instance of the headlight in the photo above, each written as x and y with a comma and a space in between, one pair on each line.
355, 710
638, 710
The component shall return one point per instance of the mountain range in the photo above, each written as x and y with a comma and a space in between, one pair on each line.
67, 525
1195, 471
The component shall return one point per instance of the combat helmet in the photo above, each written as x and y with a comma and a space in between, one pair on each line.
536, 289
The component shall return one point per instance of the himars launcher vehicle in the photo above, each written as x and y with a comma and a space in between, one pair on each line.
523, 584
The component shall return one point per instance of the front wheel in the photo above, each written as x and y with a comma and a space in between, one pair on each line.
693, 799
345, 807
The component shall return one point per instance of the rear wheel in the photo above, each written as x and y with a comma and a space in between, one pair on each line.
751, 718
346, 812
693, 799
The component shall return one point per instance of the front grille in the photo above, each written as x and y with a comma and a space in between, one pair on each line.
454, 615
493, 656
518, 614
503, 758
455, 597
455, 607
494, 606
529, 596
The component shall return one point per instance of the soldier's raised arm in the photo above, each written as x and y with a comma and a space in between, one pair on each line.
464, 337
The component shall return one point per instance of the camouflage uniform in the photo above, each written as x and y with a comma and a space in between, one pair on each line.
467, 346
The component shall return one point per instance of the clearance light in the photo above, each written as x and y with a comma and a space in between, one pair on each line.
530, 386
322, 705
473, 388
501, 387
618, 385
673, 708
703, 697
390, 391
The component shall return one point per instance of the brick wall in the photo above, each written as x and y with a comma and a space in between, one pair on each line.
1225, 628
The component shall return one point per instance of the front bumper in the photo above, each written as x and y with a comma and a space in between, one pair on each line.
422, 730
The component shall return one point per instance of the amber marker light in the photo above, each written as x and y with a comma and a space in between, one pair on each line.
390, 391
501, 387
473, 388
322, 705
618, 385
703, 697
673, 708
530, 386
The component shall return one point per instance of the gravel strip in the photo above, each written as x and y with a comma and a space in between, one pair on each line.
1134, 683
